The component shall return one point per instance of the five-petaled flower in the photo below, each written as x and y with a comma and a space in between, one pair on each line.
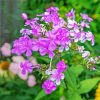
49, 86
57, 76
26, 66
61, 66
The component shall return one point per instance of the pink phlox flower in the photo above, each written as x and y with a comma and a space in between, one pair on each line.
61, 23
23, 45
56, 76
71, 14
45, 47
61, 66
49, 86
34, 25
26, 66
51, 15
24, 16
62, 36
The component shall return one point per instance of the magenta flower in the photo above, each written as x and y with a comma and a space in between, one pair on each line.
71, 14
26, 67
24, 16
23, 45
61, 66
57, 76
34, 25
51, 15
49, 86
45, 47
62, 36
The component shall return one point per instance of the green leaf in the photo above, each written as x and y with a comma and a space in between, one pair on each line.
72, 95
76, 96
70, 78
40, 95
77, 70
87, 85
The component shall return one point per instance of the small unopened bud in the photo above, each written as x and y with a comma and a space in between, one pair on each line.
24, 16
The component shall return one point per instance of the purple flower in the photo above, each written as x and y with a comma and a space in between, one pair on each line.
86, 17
90, 37
73, 24
60, 23
24, 16
49, 86
71, 14
26, 67
51, 15
34, 25
61, 66
45, 47
57, 76
77, 37
23, 45
62, 36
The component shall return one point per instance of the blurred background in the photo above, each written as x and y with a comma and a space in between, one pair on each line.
11, 22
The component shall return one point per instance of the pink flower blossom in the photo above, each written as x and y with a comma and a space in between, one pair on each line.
57, 76
24, 16
71, 14
23, 45
15, 67
61, 66
6, 49
26, 66
49, 86
51, 15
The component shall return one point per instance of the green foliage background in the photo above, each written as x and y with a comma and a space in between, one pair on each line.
81, 83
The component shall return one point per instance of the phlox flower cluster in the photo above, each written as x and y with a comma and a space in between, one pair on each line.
47, 34
55, 76
60, 35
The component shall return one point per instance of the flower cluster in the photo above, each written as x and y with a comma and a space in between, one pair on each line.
91, 61
54, 35
60, 35
21, 67
54, 77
